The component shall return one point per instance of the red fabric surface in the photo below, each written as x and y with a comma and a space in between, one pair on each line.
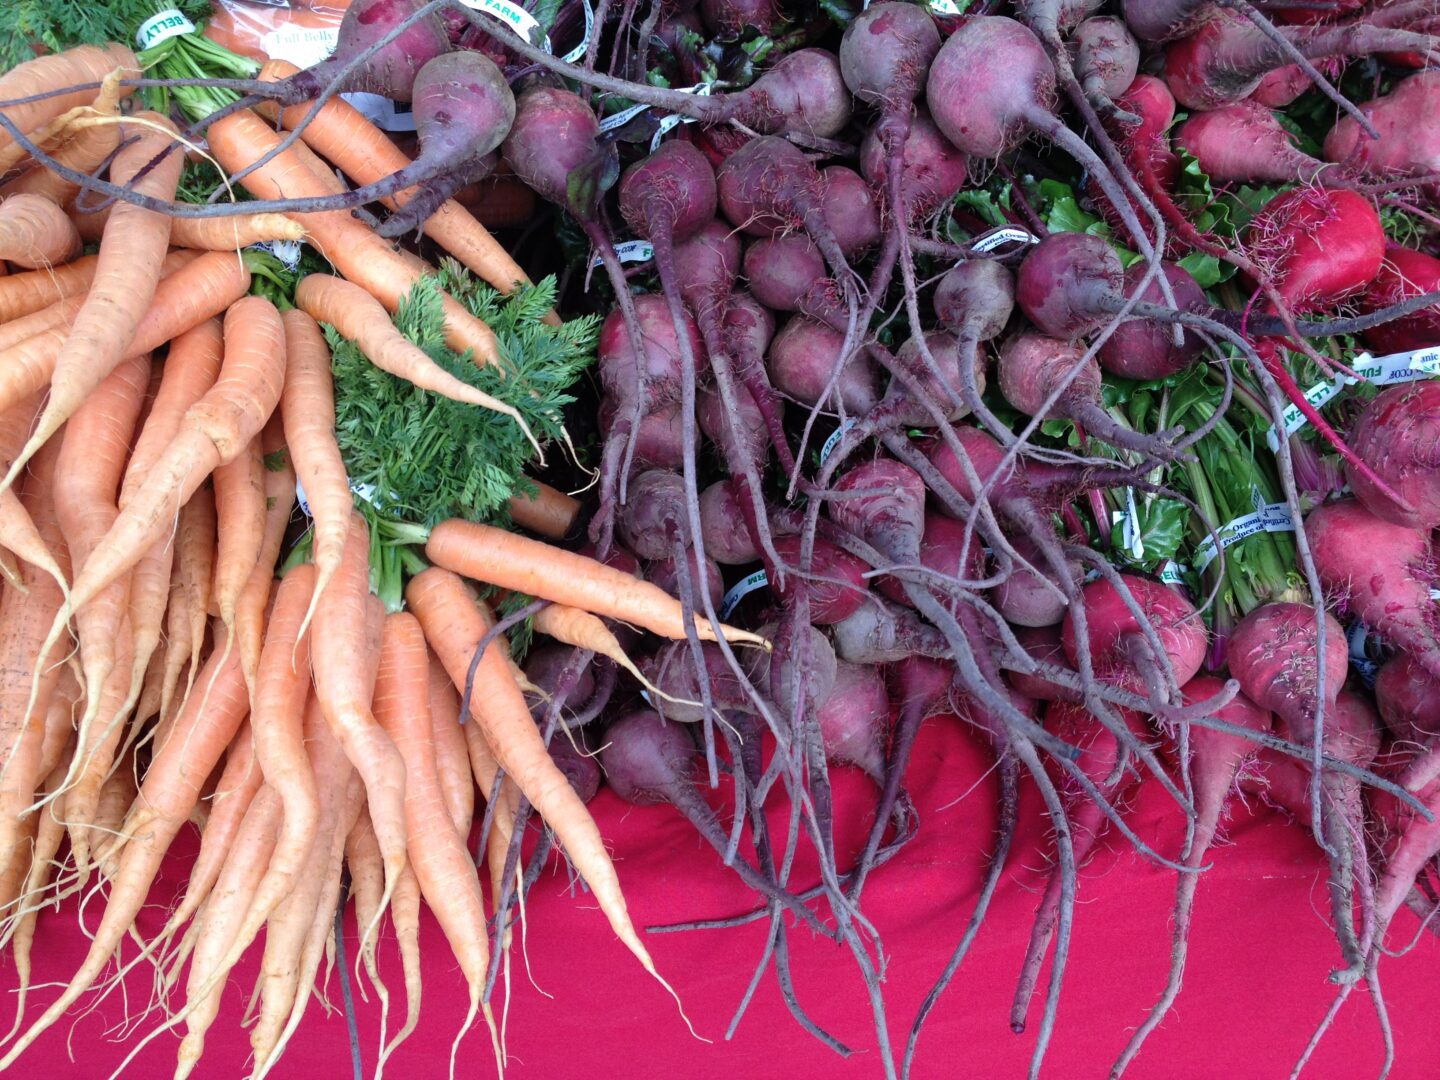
1255, 987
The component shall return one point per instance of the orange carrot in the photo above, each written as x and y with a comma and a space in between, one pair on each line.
307, 405
240, 525
232, 233
125, 282
172, 787
437, 853
50, 312
340, 133
291, 921
367, 889
513, 562
50, 830
244, 865
19, 531
345, 693
213, 432
82, 64
405, 918
548, 512
454, 625
354, 249
25, 294
35, 233
452, 764
189, 592
205, 287
279, 495
585, 631
189, 370
74, 140
357, 315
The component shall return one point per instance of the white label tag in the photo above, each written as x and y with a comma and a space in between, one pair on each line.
1000, 237
365, 491
1379, 370
1172, 573
385, 114
621, 118
162, 26
303, 46
946, 7
287, 251
741, 589
1272, 518
672, 121
834, 439
578, 52
636, 251
513, 16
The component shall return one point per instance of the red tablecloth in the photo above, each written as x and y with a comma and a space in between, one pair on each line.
1255, 986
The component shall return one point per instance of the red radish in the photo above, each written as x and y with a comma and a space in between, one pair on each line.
1107, 57
836, 586
1118, 642
1225, 59
1404, 274
647, 761
1032, 366
1409, 701
801, 359
1408, 143
1245, 143
1319, 246
1382, 573
1099, 756
1398, 430
1217, 759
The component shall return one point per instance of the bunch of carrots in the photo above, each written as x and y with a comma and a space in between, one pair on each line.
154, 421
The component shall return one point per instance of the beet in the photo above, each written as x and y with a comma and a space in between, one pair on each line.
1272, 653
976, 297
934, 170
1107, 57
672, 192
801, 359
727, 539
1409, 700
837, 586
850, 210
855, 718
1398, 435
1245, 143
1404, 274
658, 368
1044, 644
1408, 142
1062, 281
1117, 642
1145, 349
390, 71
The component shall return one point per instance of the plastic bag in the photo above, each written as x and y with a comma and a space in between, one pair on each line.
300, 31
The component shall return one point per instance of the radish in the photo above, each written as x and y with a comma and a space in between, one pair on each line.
1409, 700
1382, 573
1217, 759
1227, 56
1404, 274
1407, 143
1033, 367
1398, 431
1084, 822
1245, 143
648, 761
984, 109
1120, 644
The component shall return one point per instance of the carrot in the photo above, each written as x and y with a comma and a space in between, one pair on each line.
245, 864
172, 786
454, 624
60, 313
87, 482
357, 315
290, 923
73, 139
452, 765
189, 370
234, 794
22, 737
548, 512
49, 831
239, 525
25, 294
585, 631
189, 592
35, 233
51, 312
340, 133
354, 249
279, 494
228, 233
307, 406
96, 747
367, 887
437, 853
345, 691
19, 531
513, 562
125, 282
317, 933
213, 431
205, 287
405, 918
82, 64
60, 719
